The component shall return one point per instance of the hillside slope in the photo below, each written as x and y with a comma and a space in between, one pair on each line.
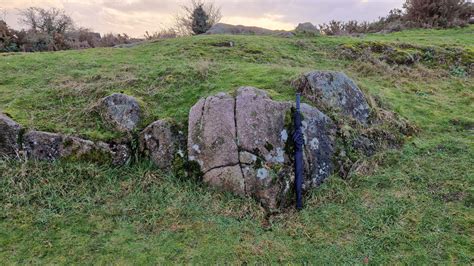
414, 207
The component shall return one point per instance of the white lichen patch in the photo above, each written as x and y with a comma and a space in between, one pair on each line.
284, 135
196, 148
280, 155
262, 173
314, 144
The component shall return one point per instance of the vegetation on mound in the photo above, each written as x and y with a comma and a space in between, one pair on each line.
415, 205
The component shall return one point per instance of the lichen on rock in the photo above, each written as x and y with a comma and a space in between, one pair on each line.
241, 144
120, 112
9, 136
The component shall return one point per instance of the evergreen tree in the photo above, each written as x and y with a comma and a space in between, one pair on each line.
200, 20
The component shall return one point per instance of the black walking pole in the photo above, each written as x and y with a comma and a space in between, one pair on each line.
299, 141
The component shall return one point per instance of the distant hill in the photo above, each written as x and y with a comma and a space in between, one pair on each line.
222, 28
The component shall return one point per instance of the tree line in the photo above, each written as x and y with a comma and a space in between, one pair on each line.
53, 29
415, 14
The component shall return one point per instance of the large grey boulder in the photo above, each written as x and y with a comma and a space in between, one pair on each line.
160, 141
307, 28
121, 112
336, 91
9, 136
50, 147
243, 145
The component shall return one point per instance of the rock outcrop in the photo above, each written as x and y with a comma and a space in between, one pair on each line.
50, 147
9, 137
121, 112
161, 142
307, 28
243, 144
336, 91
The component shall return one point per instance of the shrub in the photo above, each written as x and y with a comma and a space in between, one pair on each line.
162, 34
8, 40
438, 13
110, 39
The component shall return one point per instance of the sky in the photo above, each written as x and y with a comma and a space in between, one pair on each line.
134, 17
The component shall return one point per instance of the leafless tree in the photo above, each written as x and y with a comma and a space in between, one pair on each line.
184, 21
47, 21
3, 14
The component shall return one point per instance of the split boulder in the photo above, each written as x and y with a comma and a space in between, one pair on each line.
243, 144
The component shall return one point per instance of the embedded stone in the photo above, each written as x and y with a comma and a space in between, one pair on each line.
9, 136
121, 112
331, 90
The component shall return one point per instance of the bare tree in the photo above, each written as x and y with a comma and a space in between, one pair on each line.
197, 17
3, 14
48, 21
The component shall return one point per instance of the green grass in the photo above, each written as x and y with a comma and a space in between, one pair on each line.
415, 208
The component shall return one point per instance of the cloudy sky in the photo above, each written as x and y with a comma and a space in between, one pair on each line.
134, 17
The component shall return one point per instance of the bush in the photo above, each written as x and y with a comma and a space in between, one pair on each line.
110, 40
392, 22
438, 13
8, 40
162, 34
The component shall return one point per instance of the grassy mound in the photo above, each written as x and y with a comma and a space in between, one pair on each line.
413, 206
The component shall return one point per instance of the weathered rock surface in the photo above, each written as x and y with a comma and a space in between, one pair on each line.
9, 136
120, 111
161, 142
222, 28
243, 144
212, 140
334, 90
319, 132
42, 145
50, 146
307, 28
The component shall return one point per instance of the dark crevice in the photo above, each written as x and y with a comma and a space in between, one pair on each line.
237, 142
222, 166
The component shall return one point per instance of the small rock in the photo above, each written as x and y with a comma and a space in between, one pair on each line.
334, 90
42, 145
286, 34
160, 142
9, 136
120, 111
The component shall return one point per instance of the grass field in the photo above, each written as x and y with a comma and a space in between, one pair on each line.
415, 208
